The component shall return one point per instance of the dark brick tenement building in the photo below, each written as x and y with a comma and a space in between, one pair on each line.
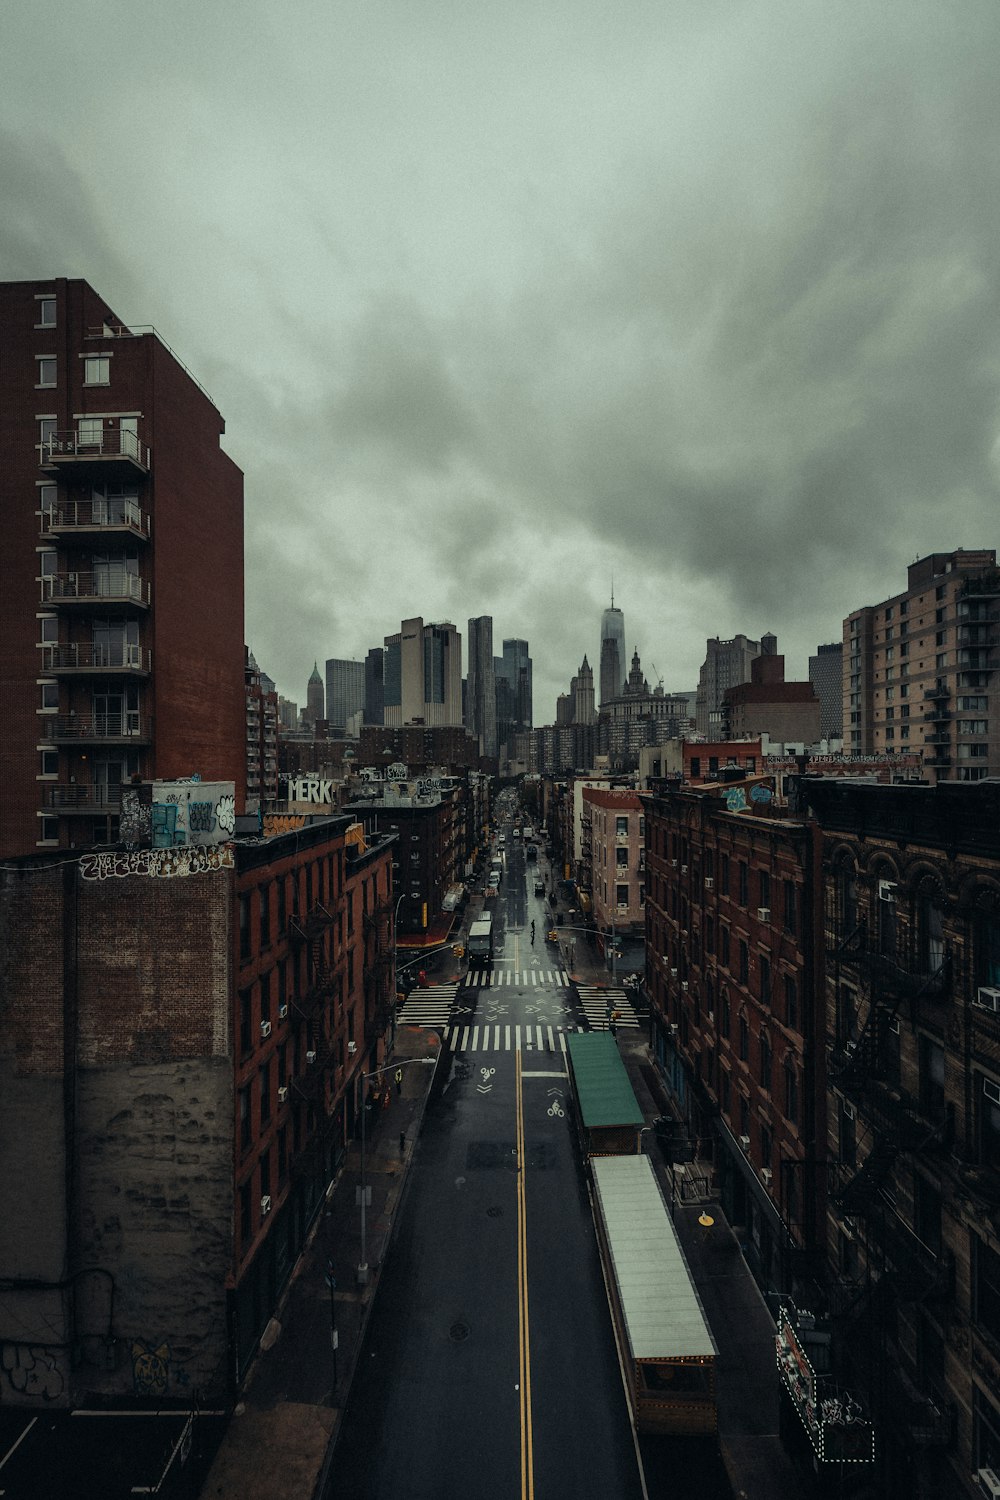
121, 613
183, 1032
732, 918
911, 877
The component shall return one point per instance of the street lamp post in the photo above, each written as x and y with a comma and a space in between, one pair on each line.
364, 1191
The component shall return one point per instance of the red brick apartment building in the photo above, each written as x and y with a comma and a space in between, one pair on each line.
121, 613
911, 878
183, 1033
732, 969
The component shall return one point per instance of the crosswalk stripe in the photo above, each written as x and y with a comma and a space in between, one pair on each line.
457, 1039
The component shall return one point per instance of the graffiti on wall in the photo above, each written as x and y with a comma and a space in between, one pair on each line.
135, 816
275, 823
31, 1370
163, 864
149, 1368
194, 812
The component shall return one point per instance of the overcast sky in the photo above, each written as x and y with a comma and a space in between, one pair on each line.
499, 302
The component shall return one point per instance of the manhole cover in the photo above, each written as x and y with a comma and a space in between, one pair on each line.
458, 1332
494, 1213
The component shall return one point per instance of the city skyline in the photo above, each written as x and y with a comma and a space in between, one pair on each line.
715, 310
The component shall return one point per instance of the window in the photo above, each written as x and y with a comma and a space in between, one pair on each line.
744, 963
848, 1145
50, 695
621, 827
265, 916
986, 930
724, 874
931, 1078
621, 857
48, 830
265, 1095
791, 1093
988, 1120
765, 1063
765, 888
927, 1213
46, 370
724, 954
246, 1116
622, 895
791, 1002
90, 432
724, 1014
246, 1023
744, 1039
986, 1288
46, 430
765, 980
791, 915
50, 763
744, 883
246, 1223
245, 925
97, 369
46, 312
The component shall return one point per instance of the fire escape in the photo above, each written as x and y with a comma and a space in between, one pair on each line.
901, 1267
378, 970
311, 1000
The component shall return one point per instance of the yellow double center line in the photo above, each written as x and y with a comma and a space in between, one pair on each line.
524, 1341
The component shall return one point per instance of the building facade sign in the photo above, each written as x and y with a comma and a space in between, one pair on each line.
309, 789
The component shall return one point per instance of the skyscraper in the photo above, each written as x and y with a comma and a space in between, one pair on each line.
121, 624
374, 701
481, 697
423, 675
612, 662
314, 696
345, 692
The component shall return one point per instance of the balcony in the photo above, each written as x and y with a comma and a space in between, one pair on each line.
80, 660
95, 729
938, 692
79, 521
110, 589
87, 456
83, 800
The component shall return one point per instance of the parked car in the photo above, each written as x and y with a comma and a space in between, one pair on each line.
539, 887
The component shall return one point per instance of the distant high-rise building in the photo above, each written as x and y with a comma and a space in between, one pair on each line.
423, 674
345, 692
481, 698
315, 708
612, 662
514, 694
726, 665
826, 673
921, 669
583, 695
374, 703
121, 637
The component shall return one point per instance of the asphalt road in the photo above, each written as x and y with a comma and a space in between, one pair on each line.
490, 1367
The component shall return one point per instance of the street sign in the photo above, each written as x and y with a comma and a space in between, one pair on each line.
367, 1198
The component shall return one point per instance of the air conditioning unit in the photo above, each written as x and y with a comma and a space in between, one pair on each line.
894, 1025
673, 864
282, 1012
765, 1176
310, 1059
988, 998
265, 1028
763, 914
850, 1113
684, 869
989, 1483
711, 1018
674, 1028
684, 984
709, 883
673, 973
352, 1047
282, 1094
887, 890
745, 1142
265, 1206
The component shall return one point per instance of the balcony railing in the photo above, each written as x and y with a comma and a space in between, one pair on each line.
75, 519
84, 799
95, 728
92, 449
117, 657
111, 586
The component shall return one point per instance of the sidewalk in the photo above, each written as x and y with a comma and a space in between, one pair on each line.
280, 1440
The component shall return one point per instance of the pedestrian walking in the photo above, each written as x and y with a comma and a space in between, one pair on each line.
399, 1082
402, 1142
